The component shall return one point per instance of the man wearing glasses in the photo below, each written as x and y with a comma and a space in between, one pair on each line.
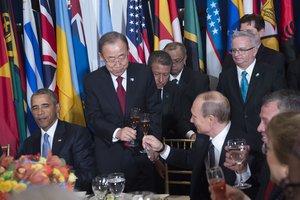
111, 92
190, 84
245, 83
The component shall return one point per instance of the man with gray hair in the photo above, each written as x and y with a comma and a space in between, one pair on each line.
246, 83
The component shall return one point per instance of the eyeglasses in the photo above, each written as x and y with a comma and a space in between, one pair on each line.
241, 51
114, 60
179, 60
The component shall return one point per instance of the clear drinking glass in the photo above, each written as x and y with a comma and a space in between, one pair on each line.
135, 119
237, 150
216, 180
145, 125
100, 186
116, 183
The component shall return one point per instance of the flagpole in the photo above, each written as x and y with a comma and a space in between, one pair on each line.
150, 13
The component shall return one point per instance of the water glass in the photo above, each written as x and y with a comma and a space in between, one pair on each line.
100, 186
116, 183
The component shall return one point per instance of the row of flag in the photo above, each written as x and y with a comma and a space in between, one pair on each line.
61, 48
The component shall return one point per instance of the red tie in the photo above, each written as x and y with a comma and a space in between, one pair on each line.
121, 93
269, 190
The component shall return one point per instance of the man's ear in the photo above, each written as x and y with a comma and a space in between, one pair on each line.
101, 56
261, 33
57, 110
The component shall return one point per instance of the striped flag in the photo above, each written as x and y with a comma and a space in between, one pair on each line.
268, 13
8, 120
17, 72
136, 32
48, 46
104, 24
192, 36
166, 24
79, 44
214, 46
235, 10
33, 64
91, 32
67, 82
287, 30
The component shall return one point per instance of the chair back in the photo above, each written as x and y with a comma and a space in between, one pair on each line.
6, 149
174, 175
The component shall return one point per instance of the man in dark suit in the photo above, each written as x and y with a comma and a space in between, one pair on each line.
245, 84
190, 84
293, 75
110, 93
68, 141
256, 24
161, 63
210, 115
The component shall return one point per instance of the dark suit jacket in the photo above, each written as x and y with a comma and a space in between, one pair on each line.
293, 75
190, 85
264, 54
104, 115
245, 116
72, 143
195, 159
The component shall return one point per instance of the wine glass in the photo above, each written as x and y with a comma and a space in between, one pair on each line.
135, 119
237, 151
116, 183
145, 124
216, 180
100, 186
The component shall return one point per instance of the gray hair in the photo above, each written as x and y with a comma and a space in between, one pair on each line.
50, 93
287, 100
111, 38
254, 38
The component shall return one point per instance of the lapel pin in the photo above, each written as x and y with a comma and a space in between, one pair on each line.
59, 140
257, 74
131, 79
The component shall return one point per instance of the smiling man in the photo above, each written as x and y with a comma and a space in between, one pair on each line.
68, 141
111, 92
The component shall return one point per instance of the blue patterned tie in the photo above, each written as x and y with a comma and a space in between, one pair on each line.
46, 145
244, 85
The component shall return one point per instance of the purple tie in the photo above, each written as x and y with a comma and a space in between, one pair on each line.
121, 93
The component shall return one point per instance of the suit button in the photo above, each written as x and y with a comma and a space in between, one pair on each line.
245, 116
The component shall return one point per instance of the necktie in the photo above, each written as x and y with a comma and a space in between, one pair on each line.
175, 81
46, 145
211, 154
269, 190
121, 94
244, 85
160, 94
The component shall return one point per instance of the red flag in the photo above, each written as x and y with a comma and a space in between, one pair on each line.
287, 30
8, 122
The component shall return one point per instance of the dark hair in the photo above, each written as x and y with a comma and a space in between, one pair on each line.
287, 100
174, 45
111, 38
160, 57
257, 19
50, 93
215, 104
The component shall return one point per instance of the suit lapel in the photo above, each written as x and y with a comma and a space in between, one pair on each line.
59, 138
130, 90
234, 82
109, 91
256, 77
36, 146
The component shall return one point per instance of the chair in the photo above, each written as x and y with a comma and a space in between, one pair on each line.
6, 149
176, 176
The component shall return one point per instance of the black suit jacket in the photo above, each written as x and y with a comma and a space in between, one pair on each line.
72, 143
104, 115
264, 54
194, 159
245, 116
293, 75
190, 85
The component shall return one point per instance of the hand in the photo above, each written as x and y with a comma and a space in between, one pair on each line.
231, 193
152, 155
152, 143
126, 134
231, 164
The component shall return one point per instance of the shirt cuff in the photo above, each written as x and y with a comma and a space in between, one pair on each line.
189, 134
114, 138
166, 152
245, 176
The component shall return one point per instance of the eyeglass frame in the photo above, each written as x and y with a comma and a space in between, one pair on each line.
241, 51
179, 61
115, 60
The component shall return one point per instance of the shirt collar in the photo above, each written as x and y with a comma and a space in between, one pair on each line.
51, 130
177, 77
249, 69
124, 75
218, 141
